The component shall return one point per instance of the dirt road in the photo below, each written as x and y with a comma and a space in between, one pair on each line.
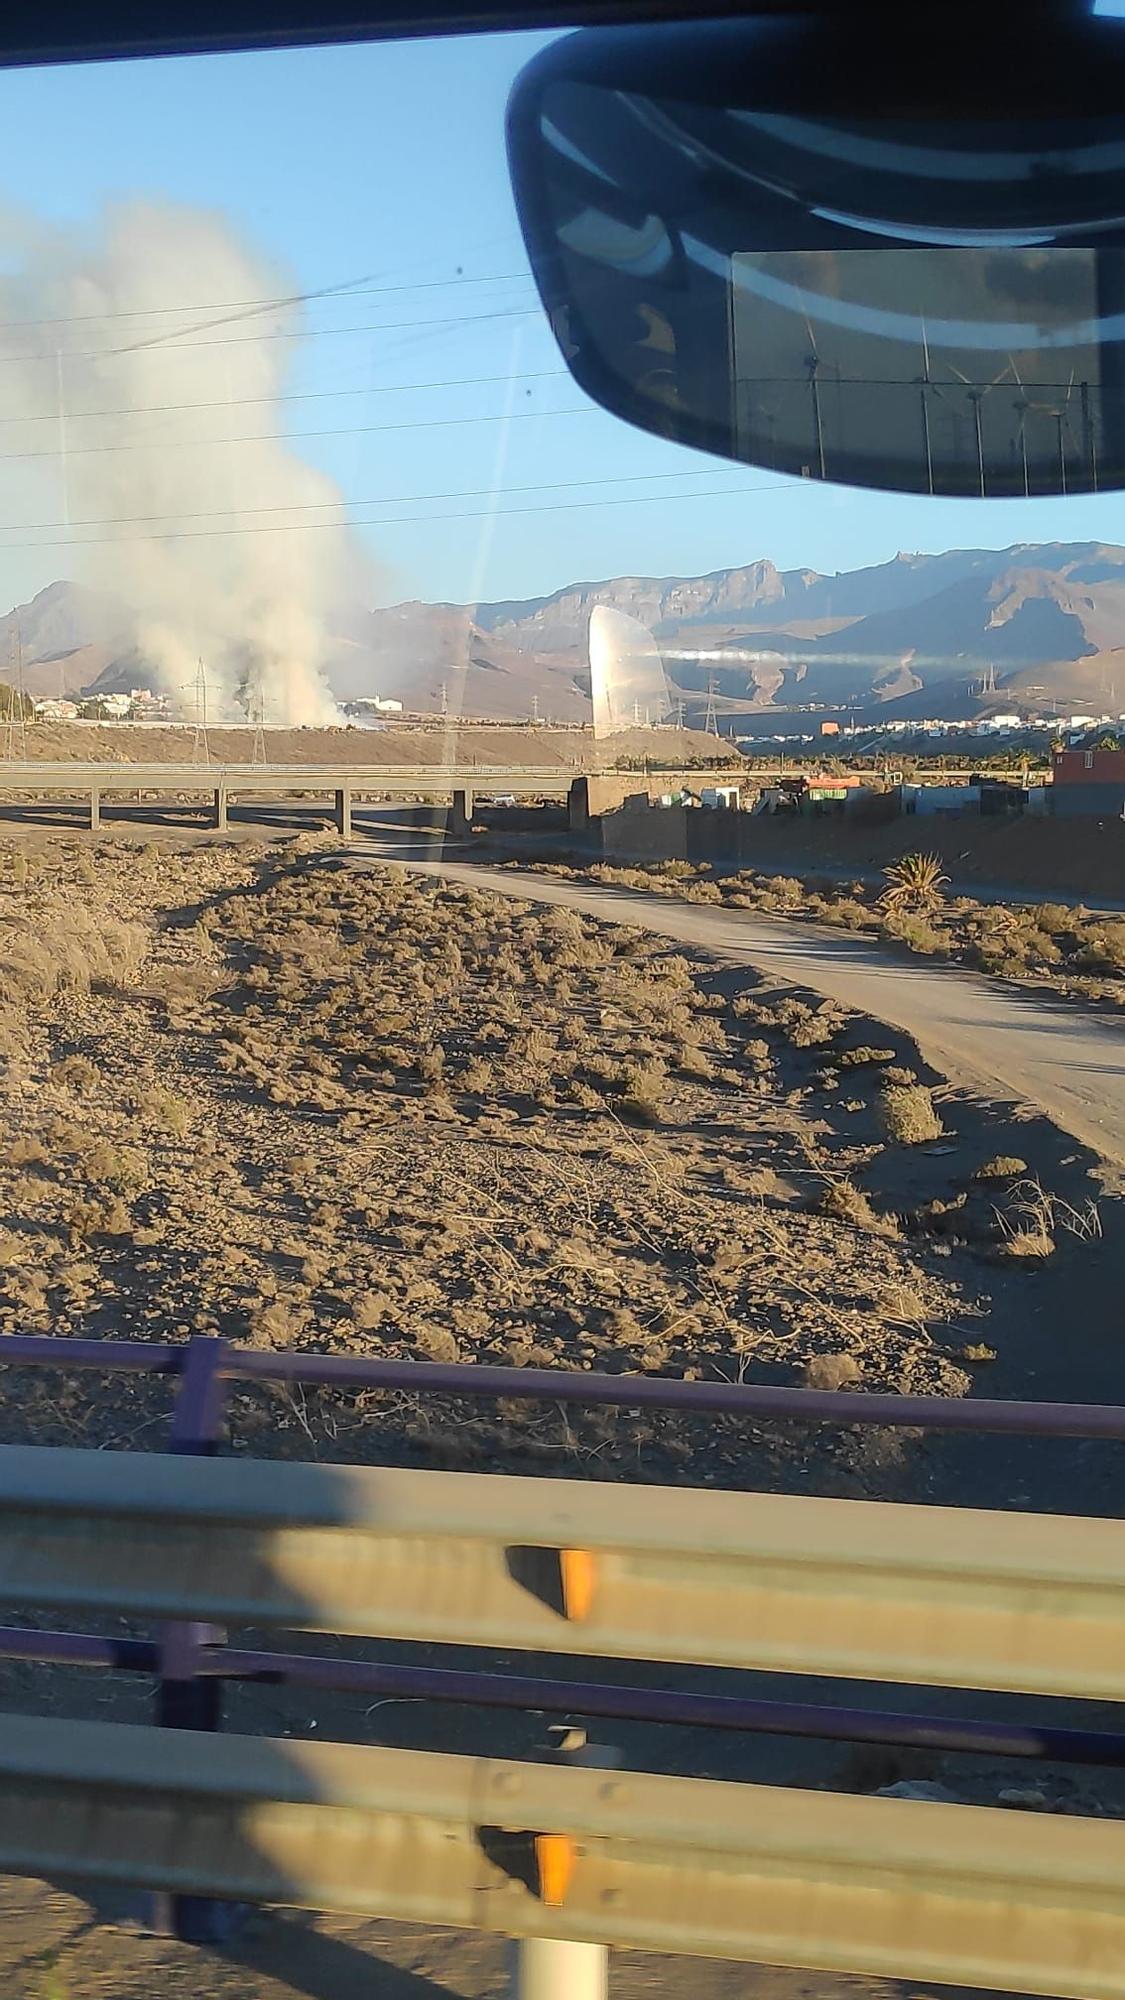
1068, 1063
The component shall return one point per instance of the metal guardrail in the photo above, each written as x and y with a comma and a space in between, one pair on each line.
1028, 1602
931, 1596
964, 1895
79, 775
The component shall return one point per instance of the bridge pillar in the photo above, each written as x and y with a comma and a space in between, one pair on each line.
344, 812
95, 808
219, 809
461, 814
578, 806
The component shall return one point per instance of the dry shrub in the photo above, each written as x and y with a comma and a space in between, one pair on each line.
847, 1203
916, 934
75, 1073
276, 1325
14, 1249
122, 1168
811, 1030
693, 1061
87, 1220
164, 1108
907, 1115
370, 1311
1001, 1167
831, 1371
852, 915
1034, 1242
858, 1058
1030, 1217
436, 1343
71, 949
901, 1305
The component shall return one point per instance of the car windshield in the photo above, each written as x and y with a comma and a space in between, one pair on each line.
484, 886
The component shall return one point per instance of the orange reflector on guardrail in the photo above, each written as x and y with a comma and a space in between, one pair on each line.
555, 1856
578, 1574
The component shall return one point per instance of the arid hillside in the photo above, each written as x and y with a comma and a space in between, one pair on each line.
268, 1093
125, 743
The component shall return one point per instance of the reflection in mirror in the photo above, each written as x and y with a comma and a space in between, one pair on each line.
929, 304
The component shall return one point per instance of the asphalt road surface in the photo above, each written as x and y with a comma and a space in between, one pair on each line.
1067, 1062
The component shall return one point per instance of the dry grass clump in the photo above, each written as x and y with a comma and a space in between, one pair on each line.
907, 1115
71, 948
917, 933
849, 1203
1031, 1219
165, 1109
1001, 1167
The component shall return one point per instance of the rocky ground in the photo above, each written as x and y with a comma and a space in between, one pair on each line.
256, 1092
253, 1089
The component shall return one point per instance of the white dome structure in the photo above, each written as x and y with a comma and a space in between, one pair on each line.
627, 679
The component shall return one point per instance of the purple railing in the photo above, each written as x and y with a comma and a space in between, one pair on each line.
190, 1662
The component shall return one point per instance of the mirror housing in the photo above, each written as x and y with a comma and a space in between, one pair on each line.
888, 254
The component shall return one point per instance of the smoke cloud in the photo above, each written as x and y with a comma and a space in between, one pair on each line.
154, 433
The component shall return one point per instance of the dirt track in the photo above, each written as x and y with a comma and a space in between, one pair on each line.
1069, 1064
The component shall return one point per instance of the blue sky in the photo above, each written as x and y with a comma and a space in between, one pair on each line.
385, 163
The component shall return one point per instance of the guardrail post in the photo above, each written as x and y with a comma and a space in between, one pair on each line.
344, 811
564, 1968
186, 1699
220, 811
95, 808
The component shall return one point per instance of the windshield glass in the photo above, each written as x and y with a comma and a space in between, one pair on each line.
482, 885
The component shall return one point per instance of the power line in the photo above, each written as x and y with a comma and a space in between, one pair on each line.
376, 500
172, 337
288, 437
291, 396
415, 520
174, 345
350, 287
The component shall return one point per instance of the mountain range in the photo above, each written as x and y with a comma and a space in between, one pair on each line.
965, 632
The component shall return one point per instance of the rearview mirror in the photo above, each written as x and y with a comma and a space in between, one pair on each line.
884, 255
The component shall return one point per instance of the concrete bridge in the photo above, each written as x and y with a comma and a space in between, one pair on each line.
217, 786
23, 783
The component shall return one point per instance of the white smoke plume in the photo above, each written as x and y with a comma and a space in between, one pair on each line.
190, 441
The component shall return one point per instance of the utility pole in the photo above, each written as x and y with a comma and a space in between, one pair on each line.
711, 719
200, 748
15, 743
445, 698
256, 711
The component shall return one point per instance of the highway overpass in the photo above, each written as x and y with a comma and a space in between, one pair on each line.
30, 782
